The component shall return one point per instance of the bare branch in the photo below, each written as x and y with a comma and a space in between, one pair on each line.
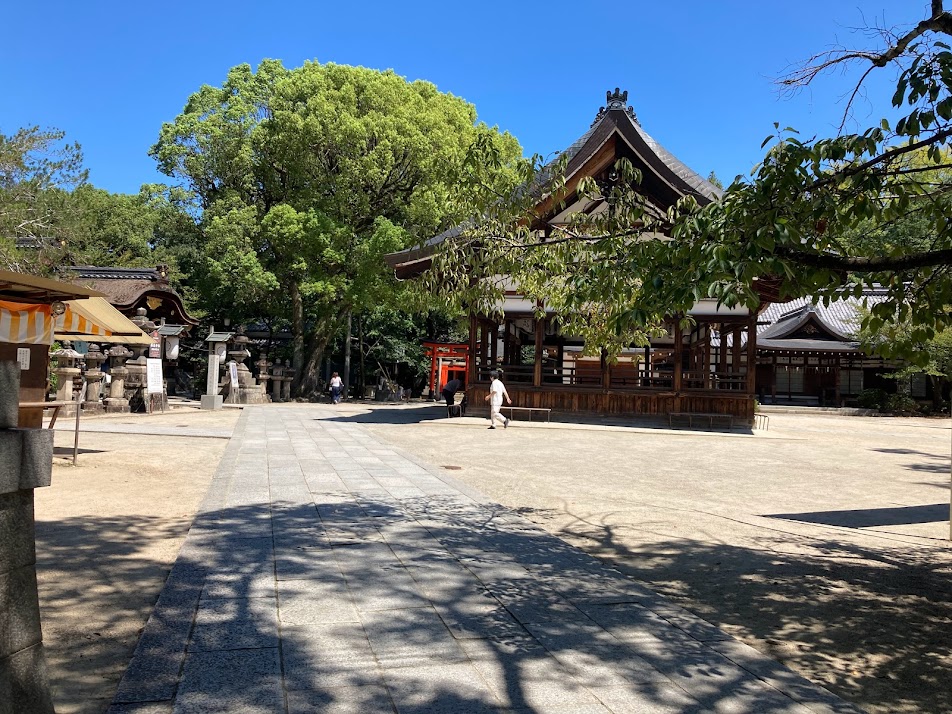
828, 261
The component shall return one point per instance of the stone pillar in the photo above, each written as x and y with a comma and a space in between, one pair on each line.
116, 402
277, 380
94, 377
26, 463
263, 366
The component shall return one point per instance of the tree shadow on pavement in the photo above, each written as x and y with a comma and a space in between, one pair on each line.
870, 625
350, 601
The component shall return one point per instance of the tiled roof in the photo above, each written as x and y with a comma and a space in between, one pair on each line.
841, 317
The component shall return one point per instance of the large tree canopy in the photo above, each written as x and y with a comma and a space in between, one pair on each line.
820, 217
306, 177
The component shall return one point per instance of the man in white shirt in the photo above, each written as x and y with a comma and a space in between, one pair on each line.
497, 390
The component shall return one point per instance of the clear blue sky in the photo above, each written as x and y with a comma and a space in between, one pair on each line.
699, 74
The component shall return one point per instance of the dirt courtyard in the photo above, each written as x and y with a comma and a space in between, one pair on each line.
823, 543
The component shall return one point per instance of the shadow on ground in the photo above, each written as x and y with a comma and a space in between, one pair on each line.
812, 603
441, 605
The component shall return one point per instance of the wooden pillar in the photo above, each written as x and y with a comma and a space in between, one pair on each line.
722, 351
678, 348
606, 370
836, 382
752, 355
506, 347
483, 344
773, 381
539, 334
471, 357
494, 344
707, 359
735, 350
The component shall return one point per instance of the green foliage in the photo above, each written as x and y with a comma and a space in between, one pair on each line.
822, 217
305, 178
872, 399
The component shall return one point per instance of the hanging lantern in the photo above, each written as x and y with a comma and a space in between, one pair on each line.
171, 348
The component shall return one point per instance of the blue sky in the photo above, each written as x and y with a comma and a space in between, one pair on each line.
699, 74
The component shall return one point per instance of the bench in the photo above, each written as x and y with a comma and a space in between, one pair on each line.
548, 412
55, 406
691, 417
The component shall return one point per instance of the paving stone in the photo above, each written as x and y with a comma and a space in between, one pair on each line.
402, 638
239, 585
650, 698
236, 623
440, 689
366, 699
307, 601
233, 682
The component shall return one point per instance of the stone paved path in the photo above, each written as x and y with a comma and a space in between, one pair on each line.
329, 572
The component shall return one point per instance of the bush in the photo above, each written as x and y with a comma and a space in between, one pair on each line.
901, 404
872, 399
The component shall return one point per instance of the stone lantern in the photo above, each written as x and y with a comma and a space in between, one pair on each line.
116, 402
94, 377
136, 380
263, 366
67, 369
277, 379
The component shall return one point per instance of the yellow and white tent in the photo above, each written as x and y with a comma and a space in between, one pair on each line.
89, 320
25, 324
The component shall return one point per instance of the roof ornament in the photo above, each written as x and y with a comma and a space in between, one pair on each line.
617, 100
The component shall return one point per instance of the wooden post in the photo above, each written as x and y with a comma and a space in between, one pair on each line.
483, 344
707, 358
494, 344
471, 359
606, 370
506, 347
539, 333
722, 351
678, 347
752, 355
735, 350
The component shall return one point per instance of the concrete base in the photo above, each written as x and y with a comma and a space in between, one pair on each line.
212, 401
117, 406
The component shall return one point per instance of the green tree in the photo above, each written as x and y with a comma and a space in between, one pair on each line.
305, 178
36, 166
815, 217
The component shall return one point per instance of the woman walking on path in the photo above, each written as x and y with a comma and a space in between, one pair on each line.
497, 390
337, 386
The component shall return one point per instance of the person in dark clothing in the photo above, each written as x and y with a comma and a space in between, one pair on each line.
449, 394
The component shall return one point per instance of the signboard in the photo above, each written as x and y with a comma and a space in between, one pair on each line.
153, 376
23, 357
155, 349
233, 372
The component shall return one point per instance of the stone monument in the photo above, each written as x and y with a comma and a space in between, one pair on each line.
94, 378
26, 463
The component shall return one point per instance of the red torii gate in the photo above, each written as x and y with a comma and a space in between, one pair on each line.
448, 360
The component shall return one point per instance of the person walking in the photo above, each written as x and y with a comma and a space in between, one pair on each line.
337, 387
497, 390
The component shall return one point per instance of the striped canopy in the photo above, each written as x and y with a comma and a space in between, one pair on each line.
25, 324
